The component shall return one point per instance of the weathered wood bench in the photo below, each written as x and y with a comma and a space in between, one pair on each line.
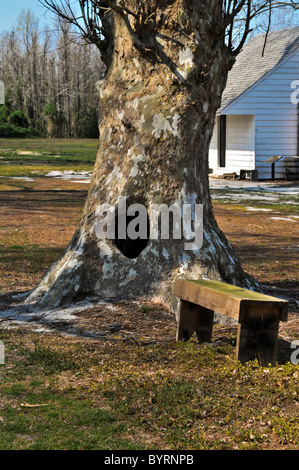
258, 316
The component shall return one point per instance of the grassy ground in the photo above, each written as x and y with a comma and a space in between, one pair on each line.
137, 388
35, 157
62, 393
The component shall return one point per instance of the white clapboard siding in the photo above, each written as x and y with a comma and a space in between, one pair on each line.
275, 123
213, 152
276, 117
239, 145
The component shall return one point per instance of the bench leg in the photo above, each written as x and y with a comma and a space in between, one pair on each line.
258, 334
192, 318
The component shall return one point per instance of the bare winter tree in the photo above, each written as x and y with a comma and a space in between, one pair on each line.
166, 68
50, 78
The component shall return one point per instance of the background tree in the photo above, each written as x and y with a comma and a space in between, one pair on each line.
50, 78
166, 68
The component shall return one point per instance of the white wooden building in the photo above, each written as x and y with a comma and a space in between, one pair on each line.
258, 117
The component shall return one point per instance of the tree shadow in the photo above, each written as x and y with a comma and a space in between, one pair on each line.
33, 200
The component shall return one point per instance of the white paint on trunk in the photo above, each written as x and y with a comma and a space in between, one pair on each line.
115, 175
205, 107
175, 124
161, 125
136, 160
186, 60
130, 277
108, 270
121, 115
186, 57
104, 249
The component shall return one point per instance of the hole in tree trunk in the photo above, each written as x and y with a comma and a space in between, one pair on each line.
132, 228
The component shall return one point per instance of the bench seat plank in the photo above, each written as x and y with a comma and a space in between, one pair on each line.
224, 298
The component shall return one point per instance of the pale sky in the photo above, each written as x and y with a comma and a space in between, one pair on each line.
10, 10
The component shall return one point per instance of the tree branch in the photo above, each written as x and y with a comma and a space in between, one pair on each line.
94, 22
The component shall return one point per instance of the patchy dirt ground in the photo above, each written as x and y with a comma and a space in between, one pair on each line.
39, 216
37, 220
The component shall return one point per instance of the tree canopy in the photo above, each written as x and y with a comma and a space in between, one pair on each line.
233, 19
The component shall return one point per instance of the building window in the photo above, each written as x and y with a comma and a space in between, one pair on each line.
222, 141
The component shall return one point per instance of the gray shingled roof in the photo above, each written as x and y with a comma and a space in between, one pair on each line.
251, 66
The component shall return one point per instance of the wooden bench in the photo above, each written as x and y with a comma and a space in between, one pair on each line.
258, 316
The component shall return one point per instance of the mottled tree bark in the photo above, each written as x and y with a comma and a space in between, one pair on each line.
158, 103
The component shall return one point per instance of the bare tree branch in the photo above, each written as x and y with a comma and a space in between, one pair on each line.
93, 19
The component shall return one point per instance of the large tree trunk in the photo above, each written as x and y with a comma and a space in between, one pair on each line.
158, 111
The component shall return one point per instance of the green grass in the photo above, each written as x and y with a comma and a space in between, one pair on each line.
36, 157
36, 414
60, 394
60, 424
26, 257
